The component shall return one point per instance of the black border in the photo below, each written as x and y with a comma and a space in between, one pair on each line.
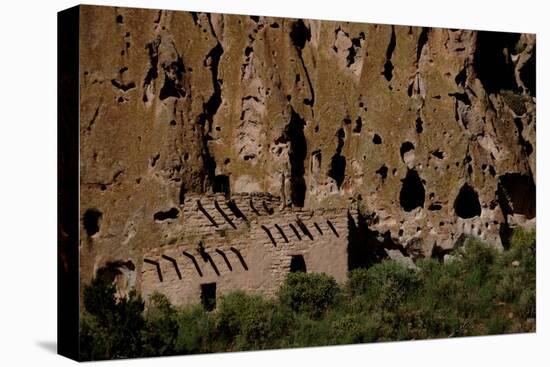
68, 97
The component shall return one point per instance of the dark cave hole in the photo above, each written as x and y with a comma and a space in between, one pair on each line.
492, 60
419, 125
114, 269
434, 207
528, 74
173, 213
274, 25
517, 194
119, 19
358, 125
297, 264
406, 147
376, 139
300, 34
382, 171
412, 193
438, 154
467, 203
91, 220
338, 162
208, 296
221, 184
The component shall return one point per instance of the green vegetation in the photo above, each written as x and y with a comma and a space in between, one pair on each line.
479, 291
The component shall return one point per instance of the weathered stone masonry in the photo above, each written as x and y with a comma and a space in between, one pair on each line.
248, 244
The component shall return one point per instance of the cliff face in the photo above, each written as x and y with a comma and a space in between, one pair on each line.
429, 132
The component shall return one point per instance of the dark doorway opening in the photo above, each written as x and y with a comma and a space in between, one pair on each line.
297, 264
208, 296
221, 184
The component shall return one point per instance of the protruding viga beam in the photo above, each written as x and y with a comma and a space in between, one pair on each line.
295, 231
318, 228
331, 226
208, 216
232, 205
185, 253
269, 235
175, 263
157, 266
224, 256
283, 234
225, 216
240, 257
304, 228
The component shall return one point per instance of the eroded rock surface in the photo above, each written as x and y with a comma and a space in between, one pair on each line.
424, 134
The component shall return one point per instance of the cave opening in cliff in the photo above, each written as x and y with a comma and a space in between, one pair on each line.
406, 147
294, 133
297, 264
300, 34
91, 220
467, 203
492, 60
337, 169
208, 296
517, 194
338, 162
172, 213
221, 184
412, 193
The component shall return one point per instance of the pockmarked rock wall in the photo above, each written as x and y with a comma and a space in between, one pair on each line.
413, 136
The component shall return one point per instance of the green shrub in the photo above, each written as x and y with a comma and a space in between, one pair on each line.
195, 330
310, 293
250, 322
160, 331
385, 284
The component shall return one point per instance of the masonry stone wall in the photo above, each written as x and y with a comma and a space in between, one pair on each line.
248, 248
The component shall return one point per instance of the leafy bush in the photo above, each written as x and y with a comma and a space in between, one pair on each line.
250, 322
310, 293
385, 284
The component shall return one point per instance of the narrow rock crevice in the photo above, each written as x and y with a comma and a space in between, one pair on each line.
388, 66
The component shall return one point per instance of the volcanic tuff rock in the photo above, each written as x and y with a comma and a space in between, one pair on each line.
429, 133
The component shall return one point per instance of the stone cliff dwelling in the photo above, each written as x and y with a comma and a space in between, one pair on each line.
246, 243
221, 152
